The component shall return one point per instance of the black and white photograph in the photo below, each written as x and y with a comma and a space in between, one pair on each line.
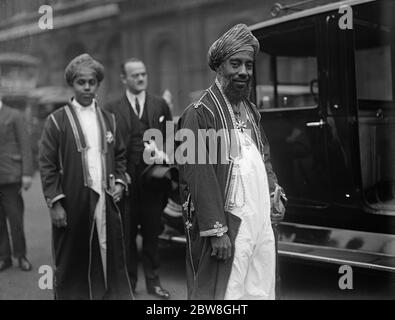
219, 151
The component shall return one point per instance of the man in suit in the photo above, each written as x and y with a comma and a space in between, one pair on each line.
139, 109
16, 170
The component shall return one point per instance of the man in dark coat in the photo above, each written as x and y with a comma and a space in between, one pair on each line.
226, 192
150, 112
82, 165
129, 127
16, 170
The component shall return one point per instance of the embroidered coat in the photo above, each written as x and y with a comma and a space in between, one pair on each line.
206, 188
65, 178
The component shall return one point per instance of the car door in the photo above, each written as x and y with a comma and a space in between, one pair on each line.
290, 92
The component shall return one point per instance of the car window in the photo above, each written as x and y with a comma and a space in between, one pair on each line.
374, 73
373, 65
286, 71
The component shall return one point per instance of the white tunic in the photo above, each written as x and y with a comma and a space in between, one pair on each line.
90, 126
253, 269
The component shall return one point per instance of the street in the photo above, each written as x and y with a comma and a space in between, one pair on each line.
18, 285
299, 281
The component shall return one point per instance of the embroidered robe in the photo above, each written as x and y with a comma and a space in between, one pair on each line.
65, 177
206, 188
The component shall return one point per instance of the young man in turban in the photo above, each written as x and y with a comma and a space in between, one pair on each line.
82, 165
231, 246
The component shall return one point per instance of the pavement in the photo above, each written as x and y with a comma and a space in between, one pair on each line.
14, 283
299, 280
18, 285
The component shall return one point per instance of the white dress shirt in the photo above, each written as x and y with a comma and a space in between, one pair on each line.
132, 100
90, 127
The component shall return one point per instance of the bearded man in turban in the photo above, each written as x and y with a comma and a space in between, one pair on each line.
82, 165
227, 210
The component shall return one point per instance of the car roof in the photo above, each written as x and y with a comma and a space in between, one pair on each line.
307, 13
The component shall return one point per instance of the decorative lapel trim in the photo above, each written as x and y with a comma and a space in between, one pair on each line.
227, 117
223, 122
103, 129
104, 149
76, 127
233, 143
255, 117
80, 142
228, 120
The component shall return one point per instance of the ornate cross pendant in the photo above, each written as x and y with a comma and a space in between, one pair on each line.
241, 125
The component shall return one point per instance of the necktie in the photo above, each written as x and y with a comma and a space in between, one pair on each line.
137, 107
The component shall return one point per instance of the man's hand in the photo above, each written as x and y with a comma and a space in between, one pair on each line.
118, 192
26, 182
278, 201
277, 211
222, 248
58, 215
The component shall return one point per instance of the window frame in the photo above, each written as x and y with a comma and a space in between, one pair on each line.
291, 26
385, 104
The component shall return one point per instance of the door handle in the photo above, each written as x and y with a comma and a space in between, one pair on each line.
320, 124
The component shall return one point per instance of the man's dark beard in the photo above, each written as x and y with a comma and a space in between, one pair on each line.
233, 93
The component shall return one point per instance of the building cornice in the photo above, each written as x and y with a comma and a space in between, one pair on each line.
63, 17
137, 9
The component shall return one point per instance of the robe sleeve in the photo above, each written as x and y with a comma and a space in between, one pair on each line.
201, 179
50, 162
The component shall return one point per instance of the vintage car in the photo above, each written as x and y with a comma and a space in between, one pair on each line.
326, 94
326, 91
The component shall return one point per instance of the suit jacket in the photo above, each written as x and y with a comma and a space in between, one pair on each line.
129, 128
15, 150
158, 112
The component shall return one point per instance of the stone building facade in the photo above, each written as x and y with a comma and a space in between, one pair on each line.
171, 36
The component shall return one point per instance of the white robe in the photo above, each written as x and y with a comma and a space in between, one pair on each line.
90, 126
253, 270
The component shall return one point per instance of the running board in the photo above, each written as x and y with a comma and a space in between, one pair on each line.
329, 245
337, 256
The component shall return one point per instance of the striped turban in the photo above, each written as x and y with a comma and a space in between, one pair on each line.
83, 63
239, 38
